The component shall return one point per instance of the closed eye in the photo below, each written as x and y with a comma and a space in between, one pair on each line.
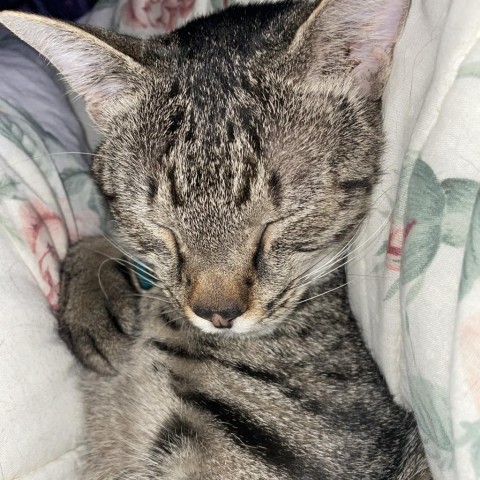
266, 240
305, 248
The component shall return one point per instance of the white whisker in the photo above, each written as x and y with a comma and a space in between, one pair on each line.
358, 251
308, 274
324, 293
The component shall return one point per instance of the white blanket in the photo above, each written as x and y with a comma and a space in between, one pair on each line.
415, 278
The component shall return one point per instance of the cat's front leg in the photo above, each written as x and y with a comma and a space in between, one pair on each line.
98, 304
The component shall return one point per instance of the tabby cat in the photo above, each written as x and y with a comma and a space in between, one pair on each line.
238, 159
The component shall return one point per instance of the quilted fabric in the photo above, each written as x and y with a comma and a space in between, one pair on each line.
415, 276
46, 199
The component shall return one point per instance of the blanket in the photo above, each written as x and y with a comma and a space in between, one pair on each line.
47, 199
415, 270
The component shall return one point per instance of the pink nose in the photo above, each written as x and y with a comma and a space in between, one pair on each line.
221, 318
221, 322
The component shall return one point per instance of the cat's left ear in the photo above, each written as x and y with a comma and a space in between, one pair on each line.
104, 76
351, 37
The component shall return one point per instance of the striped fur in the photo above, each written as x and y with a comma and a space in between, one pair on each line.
306, 402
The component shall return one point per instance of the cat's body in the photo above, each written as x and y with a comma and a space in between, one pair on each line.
306, 403
238, 160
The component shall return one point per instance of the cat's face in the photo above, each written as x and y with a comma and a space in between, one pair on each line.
231, 204
238, 155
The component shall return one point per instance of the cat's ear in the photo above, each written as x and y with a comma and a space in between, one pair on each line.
104, 76
351, 37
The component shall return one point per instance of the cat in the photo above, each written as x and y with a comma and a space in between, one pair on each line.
239, 157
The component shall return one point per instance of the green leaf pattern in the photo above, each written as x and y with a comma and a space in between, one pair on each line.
425, 205
433, 212
471, 260
429, 213
432, 411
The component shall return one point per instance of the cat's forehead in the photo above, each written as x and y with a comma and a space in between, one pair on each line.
210, 169
218, 184
219, 64
207, 136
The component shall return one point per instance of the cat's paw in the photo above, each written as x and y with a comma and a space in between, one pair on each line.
98, 305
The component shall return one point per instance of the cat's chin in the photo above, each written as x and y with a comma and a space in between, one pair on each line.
242, 326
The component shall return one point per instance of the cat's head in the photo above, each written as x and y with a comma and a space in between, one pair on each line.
240, 151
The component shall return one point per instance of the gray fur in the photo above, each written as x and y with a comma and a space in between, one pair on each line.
307, 403
239, 157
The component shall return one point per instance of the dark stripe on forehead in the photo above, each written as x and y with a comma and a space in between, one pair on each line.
152, 189
174, 122
174, 88
248, 176
250, 130
230, 132
275, 186
190, 128
177, 200
169, 144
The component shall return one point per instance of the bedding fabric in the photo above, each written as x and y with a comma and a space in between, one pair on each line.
415, 276
414, 271
47, 199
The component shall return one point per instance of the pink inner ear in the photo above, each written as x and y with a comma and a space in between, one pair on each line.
380, 31
372, 59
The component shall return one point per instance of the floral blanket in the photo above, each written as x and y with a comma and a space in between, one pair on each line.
47, 199
414, 272
415, 278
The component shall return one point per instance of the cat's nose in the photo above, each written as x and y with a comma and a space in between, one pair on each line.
219, 318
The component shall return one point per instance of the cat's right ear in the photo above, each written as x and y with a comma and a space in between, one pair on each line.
105, 77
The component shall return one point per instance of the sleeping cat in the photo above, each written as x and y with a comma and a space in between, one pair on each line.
238, 161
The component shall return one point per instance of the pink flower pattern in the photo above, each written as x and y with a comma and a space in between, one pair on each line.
396, 240
40, 227
162, 15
